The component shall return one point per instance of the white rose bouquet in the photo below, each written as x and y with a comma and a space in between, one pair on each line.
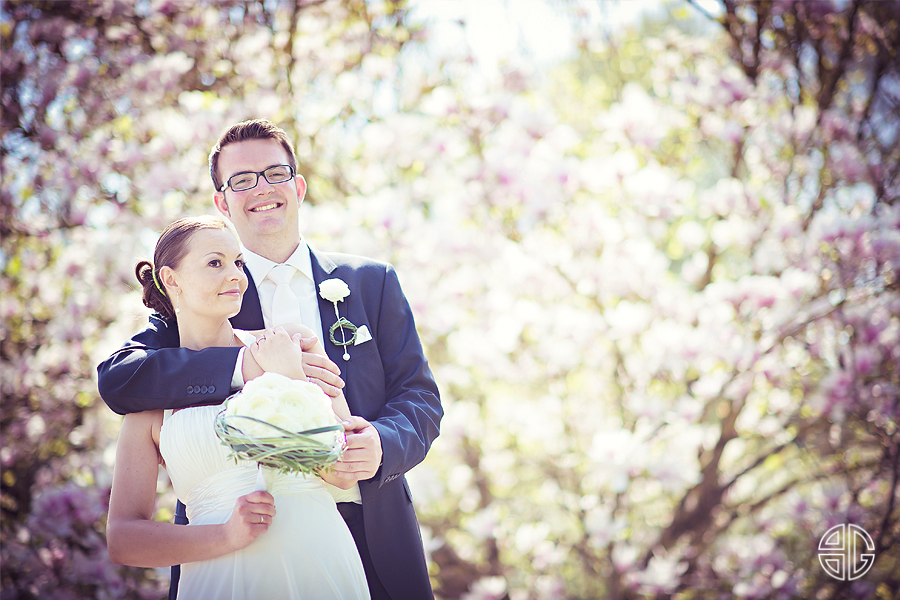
284, 424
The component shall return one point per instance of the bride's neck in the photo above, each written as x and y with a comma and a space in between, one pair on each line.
198, 333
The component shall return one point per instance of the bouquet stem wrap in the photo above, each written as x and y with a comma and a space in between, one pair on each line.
265, 477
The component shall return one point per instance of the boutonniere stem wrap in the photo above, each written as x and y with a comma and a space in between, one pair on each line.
335, 290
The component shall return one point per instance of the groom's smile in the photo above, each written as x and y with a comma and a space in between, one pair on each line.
266, 207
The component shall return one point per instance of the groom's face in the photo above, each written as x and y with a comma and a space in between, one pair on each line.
266, 216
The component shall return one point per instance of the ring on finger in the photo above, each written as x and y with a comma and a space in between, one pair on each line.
262, 519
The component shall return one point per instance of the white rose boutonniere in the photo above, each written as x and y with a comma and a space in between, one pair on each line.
335, 290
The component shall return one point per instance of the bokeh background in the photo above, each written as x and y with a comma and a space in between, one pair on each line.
652, 249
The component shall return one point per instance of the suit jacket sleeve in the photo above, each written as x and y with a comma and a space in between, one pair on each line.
410, 419
151, 372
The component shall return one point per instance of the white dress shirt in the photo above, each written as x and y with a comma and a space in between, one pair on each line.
302, 285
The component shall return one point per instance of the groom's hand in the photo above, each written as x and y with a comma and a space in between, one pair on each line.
319, 368
362, 458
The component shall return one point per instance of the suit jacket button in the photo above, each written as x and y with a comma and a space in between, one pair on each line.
212, 389
203, 389
190, 390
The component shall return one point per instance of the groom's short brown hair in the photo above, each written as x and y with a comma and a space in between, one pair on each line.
254, 129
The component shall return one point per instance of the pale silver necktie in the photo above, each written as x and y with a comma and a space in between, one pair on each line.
285, 306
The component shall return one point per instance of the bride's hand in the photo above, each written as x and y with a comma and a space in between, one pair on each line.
252, 516
277, 352
295, 352
341, 482
339, 406
319, 369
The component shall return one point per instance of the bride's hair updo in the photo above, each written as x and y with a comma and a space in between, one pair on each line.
170, 249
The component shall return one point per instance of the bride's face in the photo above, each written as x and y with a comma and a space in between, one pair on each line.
211, 275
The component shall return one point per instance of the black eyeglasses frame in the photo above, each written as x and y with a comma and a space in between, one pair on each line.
227, 184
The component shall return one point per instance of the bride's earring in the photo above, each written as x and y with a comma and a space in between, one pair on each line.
177, 296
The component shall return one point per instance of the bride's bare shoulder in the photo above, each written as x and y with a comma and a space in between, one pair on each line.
144, 418
143, 424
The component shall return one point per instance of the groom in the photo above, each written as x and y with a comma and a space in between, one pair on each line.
383, 372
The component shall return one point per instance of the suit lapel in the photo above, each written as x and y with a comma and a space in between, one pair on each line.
322, 267
250, 318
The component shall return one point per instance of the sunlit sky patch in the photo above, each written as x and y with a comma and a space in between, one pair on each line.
540, 31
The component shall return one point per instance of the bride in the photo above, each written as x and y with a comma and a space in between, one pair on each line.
240, 544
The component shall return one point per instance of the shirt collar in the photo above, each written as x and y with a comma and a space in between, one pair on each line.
259, 266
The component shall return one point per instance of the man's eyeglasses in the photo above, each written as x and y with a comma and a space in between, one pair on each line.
247, 181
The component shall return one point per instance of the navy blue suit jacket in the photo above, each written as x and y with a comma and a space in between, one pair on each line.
388, 383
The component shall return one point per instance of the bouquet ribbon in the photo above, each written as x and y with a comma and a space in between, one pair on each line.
284, 451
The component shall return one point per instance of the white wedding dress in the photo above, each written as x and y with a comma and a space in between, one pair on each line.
307, 552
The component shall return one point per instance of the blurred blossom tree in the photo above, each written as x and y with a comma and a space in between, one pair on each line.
678, 366
658, 286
